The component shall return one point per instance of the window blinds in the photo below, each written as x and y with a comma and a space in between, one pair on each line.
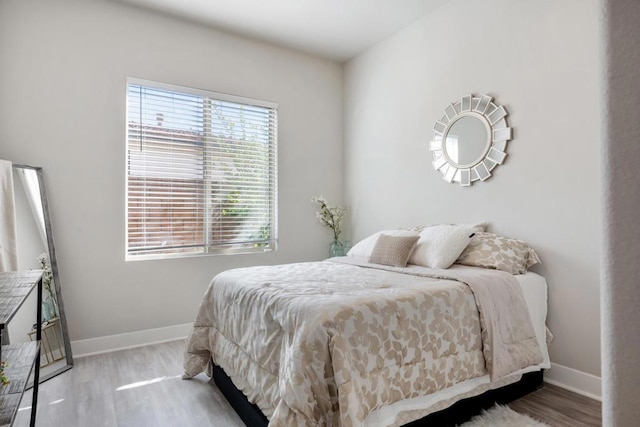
201, 172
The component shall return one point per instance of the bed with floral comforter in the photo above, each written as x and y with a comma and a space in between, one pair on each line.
329, 343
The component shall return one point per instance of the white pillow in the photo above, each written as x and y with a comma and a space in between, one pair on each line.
364, 247
439, 246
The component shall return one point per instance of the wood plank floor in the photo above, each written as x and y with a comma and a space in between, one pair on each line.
142, 387
559, 407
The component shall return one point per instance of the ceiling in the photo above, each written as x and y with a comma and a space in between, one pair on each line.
334, 29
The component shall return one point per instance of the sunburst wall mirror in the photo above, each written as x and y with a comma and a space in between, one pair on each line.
470, 140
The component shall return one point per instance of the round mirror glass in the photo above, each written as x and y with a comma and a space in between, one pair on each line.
466, 141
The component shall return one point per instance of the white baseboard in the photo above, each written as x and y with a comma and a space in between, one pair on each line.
577, 381
91, 346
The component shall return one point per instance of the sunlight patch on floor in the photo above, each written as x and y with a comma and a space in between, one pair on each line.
147, 382
54, 402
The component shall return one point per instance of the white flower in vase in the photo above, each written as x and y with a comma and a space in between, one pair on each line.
332, 216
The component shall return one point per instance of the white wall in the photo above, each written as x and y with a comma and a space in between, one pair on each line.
540, 60
621, 245
63, 70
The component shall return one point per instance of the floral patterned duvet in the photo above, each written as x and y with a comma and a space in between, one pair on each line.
326, 343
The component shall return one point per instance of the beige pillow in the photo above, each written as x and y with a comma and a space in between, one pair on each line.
393, 250
489, 250
365, 246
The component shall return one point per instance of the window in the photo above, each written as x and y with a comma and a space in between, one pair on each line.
201, 172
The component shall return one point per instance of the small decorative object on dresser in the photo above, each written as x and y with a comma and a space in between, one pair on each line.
332, 216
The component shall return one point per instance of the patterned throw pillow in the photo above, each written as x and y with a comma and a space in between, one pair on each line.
489, 250
393, 250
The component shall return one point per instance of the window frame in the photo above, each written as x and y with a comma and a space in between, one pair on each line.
208, 248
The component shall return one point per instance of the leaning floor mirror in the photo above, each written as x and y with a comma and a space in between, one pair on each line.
35, 250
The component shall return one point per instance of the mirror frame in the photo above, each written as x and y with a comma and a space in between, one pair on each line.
494, 118
54, 271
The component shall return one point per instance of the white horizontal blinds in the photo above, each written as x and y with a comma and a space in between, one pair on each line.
165, 187
241, 156
201, 172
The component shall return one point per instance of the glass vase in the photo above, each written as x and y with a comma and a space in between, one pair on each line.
336, 248
48, 312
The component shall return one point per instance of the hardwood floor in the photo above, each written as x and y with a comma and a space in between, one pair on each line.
143, 387
559, 407
138, 387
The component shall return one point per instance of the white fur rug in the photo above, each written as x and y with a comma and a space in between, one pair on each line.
502, 416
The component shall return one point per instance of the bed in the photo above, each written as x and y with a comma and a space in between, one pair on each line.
347, 342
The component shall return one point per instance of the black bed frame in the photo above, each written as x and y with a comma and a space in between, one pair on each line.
457, 413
